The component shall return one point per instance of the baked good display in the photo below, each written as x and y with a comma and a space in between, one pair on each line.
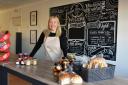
96, 62
57, 69
64, 78
76, 79
63, 71
70, 79
62, 65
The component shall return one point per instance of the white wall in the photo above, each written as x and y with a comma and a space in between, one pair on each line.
122, 39
43, 13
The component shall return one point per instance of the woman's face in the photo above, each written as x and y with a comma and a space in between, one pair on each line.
53, 24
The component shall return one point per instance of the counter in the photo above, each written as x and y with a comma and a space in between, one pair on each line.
42, 74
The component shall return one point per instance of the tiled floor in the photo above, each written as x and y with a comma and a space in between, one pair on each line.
14, 80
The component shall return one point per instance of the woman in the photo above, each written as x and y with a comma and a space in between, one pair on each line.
55, 43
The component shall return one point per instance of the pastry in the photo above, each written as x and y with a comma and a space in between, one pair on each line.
57, 69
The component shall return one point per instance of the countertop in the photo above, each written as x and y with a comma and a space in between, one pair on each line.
42, 72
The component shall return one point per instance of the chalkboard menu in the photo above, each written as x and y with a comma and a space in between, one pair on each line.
102, 35
90, 26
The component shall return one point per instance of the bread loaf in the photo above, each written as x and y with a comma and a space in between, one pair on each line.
70, 79
64, 78
76, 79
97, 62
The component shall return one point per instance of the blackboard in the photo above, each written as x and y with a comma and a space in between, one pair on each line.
90, 26
104, 35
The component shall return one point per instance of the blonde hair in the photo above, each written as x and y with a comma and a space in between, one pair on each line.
58, 30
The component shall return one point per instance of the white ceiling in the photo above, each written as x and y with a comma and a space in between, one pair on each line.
6, 4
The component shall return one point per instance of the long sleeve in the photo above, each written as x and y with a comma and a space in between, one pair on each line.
38, 44
63, 44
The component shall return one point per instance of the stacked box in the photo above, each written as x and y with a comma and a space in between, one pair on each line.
4, 46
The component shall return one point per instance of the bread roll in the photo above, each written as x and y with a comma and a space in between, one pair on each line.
64, 78
76, 79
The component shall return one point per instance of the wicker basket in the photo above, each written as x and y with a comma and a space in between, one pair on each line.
90, 75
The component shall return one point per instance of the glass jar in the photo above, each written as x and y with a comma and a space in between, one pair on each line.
28, 62
34, 61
